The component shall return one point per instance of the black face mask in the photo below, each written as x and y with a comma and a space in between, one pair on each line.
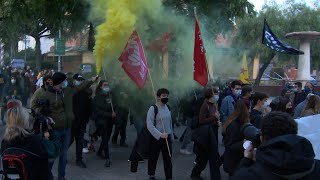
289, 110
164, 100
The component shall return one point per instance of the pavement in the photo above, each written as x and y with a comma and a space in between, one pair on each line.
120, 168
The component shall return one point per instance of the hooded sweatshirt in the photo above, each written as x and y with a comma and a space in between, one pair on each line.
284, 157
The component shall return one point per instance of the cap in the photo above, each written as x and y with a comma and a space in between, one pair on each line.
78, 77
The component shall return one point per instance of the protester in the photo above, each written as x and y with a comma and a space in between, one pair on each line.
233, 137
282, 155
60, 101
121, 100
246, 94
281, 104
160, 127
82, 111
227, 105
104, 117
259, 101
205, 137
299, 94
10, 91
312, 107
18, 135
47, 82
301, 106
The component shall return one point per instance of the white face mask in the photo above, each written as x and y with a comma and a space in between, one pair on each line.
238, 92
216, 98
266, 103
106, 89
65, 84
77, 83
13, 81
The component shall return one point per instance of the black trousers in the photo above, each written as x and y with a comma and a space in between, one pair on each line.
201, 163
77, 134
105, 133
120, 128
156, 147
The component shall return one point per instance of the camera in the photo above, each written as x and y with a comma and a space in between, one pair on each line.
42, 121
251, 133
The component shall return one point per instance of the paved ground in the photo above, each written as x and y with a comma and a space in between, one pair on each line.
120, 169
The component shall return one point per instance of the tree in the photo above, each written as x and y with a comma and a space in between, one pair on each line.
39, 18
282, 20
218, 15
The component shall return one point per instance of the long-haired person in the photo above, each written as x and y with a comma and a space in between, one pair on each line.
312, 107
18, 134
103, 115
233, 138
205, 137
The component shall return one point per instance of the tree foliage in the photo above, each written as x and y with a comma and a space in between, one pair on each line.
219, 15
282, 20
39, 18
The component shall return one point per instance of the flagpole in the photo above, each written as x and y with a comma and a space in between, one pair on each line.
155, 97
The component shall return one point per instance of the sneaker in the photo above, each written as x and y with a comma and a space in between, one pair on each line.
85, 150
108, 163
185, 151
81, 164
152, 178
124, 145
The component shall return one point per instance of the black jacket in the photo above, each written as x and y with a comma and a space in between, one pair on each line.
255, 118
233, 140
205, 140
283, 157
82, 106
102, 110
34, 144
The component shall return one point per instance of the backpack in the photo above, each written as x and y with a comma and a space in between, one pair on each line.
155, 107
17, 163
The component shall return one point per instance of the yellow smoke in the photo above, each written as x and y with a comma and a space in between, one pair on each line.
121, 17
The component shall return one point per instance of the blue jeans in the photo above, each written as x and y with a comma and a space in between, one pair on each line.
65, 136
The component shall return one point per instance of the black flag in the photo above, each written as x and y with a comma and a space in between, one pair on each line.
271, 41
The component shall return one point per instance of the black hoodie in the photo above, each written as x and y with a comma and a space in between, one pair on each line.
283, 157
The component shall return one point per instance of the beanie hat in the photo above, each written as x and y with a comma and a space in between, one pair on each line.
58, 78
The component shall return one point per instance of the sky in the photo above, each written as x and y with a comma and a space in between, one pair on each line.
259, 3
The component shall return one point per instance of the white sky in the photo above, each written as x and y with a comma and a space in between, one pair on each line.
259, 3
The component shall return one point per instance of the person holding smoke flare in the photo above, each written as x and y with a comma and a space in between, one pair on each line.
104, 118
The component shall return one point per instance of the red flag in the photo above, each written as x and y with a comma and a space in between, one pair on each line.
200, 73
134, 61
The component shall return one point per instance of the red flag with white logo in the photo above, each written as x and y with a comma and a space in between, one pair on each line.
134, 61
200, 73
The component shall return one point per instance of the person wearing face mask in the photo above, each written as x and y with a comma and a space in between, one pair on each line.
104, 119
82, 112
160, 127
259, 101
60, 97
47, 82
246, 94
227, 105
205, 137
10, 91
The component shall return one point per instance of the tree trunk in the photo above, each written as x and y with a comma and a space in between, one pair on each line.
262, 69
38, 53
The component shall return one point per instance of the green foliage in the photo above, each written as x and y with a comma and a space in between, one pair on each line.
41, 18
282, 20
218, 15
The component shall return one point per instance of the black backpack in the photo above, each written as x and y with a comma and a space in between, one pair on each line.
17, 163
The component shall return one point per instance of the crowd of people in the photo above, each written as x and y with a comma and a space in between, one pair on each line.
260, 138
